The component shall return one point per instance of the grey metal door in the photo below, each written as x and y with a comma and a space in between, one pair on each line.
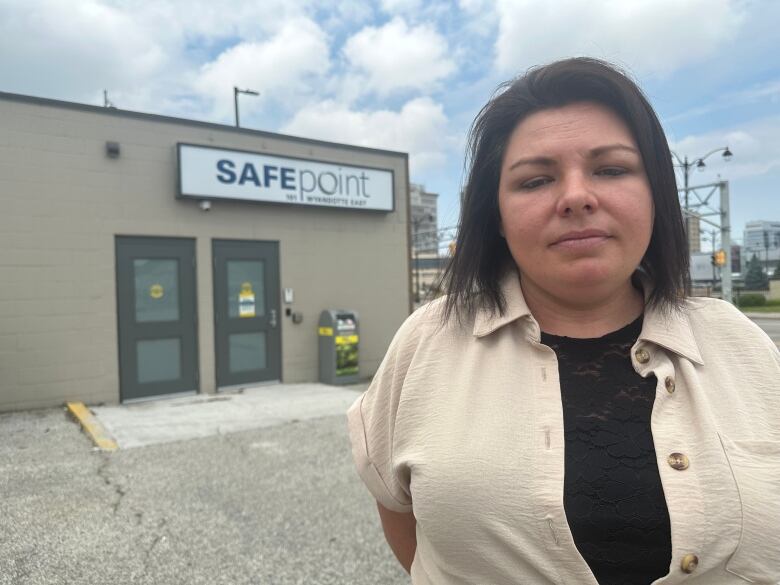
157, 316
246, 312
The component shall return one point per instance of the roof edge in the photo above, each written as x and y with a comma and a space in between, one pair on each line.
112, 111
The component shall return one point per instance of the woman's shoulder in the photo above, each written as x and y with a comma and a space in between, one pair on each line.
710, 311
711, 319
431, 321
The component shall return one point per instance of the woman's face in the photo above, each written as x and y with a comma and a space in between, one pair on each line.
575, 203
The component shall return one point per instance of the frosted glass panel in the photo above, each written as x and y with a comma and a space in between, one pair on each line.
246, 288
247, 352
156, 290
159, 360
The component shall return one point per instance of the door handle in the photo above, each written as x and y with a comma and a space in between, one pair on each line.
273, 318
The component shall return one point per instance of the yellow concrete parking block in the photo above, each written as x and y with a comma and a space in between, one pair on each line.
92, 426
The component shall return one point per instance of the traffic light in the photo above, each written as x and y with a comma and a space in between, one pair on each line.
719, 258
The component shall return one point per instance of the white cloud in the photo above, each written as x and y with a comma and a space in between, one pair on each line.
146, 54
419, 128
206, 19
395, 57
650, 36
276, 67
72, 46
344, 15
481, 18
400, 6
756, 94
755, 145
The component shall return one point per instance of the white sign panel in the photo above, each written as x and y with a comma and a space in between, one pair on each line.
701, 266
214, 173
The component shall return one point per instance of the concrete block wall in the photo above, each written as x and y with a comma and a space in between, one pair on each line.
64, 202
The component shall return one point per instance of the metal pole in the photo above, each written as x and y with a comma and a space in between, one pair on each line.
686, 167
725, 241
766, 252
713, 255
235, 104
415, 225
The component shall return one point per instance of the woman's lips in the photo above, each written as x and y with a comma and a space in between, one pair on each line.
584, 243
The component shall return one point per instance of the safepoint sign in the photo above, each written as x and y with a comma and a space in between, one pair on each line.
214, 173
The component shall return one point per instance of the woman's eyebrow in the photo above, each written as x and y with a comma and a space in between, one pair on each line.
535, 160
599, 150
592, 153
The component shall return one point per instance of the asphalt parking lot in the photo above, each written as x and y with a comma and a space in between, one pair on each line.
274, 506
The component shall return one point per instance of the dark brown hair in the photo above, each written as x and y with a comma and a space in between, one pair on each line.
481, 256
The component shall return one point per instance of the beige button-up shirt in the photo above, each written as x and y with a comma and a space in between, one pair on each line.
463, 425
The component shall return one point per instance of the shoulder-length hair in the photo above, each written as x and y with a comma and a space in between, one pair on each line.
481, 255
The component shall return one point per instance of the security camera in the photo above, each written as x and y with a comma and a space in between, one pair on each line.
205, 205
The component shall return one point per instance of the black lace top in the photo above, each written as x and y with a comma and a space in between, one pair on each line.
613, 497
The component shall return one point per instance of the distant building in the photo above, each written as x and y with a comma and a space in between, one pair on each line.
427, 262
761, 238
736, 255
424, 208
701, 268
694, 234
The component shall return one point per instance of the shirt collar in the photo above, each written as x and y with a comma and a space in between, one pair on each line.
670, 329
487, 321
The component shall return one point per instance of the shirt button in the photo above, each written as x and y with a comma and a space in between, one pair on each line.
669, 384
678, 461
689, 563
642, 356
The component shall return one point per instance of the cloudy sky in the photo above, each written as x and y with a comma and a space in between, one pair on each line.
410, 75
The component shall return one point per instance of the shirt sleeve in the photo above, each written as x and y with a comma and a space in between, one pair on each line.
372, 422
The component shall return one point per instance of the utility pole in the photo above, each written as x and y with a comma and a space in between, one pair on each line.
237, 91
686, 166
713, 232
766, 252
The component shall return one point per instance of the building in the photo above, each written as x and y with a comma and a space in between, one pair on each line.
736, 258
424, 208
761, 238
426, 261
145, 256
694, 234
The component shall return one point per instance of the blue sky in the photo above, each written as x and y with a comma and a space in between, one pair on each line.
411, 75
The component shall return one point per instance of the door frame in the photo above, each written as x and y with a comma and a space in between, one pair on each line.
127, 364
272, 293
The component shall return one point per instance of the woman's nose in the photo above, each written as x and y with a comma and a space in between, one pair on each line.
576, 196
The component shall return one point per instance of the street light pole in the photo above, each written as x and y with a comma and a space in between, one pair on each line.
237, 91
686, 165
766, 252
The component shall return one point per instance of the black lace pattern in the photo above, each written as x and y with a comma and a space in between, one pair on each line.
613, 497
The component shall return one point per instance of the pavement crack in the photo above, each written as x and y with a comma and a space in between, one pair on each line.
119, 491
159, 537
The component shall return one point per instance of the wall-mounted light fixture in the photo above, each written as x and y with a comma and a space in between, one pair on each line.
112, 149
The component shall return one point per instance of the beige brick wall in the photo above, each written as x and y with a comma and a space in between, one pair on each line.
63, 202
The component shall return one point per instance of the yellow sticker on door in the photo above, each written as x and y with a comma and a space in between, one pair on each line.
246, 300
156, 291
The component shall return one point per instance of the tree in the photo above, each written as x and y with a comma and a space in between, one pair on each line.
755, 279
776, 273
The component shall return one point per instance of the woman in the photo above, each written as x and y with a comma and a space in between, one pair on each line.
566, 415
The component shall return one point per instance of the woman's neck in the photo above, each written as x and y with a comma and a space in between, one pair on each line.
583, 317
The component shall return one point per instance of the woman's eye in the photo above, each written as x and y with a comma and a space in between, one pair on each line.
534, 183
612, 172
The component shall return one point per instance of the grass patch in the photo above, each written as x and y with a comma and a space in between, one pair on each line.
763, 309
